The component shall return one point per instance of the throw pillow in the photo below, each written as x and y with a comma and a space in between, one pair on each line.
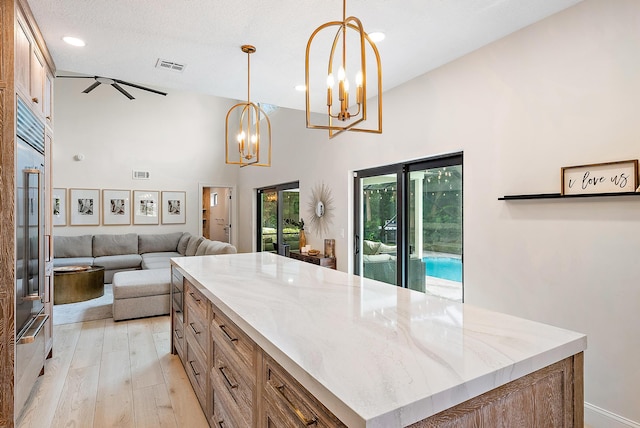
192, 246
183, 242
386, 249
369, 247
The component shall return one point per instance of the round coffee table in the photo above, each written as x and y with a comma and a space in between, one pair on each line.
73, 284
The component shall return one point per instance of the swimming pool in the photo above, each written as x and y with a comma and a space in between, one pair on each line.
444, 267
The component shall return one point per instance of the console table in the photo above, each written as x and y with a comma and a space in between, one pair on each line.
319, 260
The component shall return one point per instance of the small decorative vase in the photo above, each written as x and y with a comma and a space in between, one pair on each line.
303, 240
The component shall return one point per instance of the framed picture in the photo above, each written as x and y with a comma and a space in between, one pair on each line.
116, 207
59, 207
609, 177
84, 207
173, 208
145, 207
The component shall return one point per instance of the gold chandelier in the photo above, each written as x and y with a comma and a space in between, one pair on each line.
341, 115
248, 145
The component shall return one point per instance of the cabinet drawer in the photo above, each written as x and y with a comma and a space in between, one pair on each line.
224, 331
196, 327
288, 404
232, 387
178, 334
219, 417
196, 368
196, 299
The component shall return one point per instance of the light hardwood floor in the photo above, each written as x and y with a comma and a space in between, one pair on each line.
113, 374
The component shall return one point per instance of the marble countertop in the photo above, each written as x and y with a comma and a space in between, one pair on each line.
374, 354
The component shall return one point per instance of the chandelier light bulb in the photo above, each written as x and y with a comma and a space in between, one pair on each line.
330, 80
341, 73
359, 78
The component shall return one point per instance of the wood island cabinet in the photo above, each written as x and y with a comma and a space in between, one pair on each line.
244, 387
243, 376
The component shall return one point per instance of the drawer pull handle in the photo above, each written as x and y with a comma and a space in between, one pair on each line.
226, 333
226, 378
221, 424
35, 100
194, 297
193, 328
178, 333
195, 372
294, 409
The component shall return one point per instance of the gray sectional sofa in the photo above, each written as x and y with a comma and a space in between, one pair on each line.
138, 266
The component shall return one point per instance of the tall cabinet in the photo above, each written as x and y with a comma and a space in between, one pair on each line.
26, 71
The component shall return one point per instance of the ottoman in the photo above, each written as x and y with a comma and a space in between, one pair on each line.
141, 293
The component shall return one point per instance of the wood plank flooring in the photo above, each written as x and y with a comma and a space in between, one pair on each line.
113, 374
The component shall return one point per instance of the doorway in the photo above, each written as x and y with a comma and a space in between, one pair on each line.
217, 213
278, 213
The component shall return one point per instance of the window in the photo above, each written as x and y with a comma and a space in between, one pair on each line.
408, 221
278, 217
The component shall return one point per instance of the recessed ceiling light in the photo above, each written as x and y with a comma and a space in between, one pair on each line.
376, 36
74, 41
301, 88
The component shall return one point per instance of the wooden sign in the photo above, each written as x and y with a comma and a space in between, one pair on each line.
610, 177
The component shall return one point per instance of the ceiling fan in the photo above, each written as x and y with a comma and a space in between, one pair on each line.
113, 82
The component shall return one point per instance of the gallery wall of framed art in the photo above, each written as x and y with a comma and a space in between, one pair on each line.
113, 207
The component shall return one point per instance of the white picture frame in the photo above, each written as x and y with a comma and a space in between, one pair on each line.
145, 207
116, 207
174, 207
59, 206
84, 207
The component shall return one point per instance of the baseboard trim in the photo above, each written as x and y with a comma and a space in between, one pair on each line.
597, 417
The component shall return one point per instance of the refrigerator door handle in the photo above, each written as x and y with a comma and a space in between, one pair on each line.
29, 209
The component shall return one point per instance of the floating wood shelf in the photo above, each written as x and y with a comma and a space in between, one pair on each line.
559, 196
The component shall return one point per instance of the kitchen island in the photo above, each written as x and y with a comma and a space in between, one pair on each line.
271, 341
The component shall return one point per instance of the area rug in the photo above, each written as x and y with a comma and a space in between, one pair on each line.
94, 309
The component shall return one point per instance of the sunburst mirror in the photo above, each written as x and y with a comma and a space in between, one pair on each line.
320, 209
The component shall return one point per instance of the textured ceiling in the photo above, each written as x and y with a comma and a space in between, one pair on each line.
125, 38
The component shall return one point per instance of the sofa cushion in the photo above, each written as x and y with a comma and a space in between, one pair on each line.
218, 247
183, 242
158, 242
72, 246
386, 249
192, 247
141, 283
158, 260
72, 261
370, 247
112, 245
121, 261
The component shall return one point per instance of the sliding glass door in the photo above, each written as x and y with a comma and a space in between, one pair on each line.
278, 216
409, 225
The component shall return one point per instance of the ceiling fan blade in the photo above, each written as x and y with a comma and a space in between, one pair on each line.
78, 77
91, 88
125, 93
140, 87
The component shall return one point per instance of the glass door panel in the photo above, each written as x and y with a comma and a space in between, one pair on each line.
279, 218
434, 238
268, 221
379, 227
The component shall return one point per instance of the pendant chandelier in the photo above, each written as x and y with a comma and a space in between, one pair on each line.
341, 114
246, 143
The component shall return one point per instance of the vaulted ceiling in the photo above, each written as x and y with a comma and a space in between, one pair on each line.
124, 39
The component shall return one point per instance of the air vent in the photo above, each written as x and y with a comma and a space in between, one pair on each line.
163, 64
141, 175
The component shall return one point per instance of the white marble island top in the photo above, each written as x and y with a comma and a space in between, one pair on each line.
374, 354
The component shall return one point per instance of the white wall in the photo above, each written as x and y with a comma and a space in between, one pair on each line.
179, 139
562, 92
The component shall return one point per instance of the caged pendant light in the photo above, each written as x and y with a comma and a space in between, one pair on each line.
247, 143
341, 114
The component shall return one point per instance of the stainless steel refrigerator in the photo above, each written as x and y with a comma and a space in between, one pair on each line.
29, 314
